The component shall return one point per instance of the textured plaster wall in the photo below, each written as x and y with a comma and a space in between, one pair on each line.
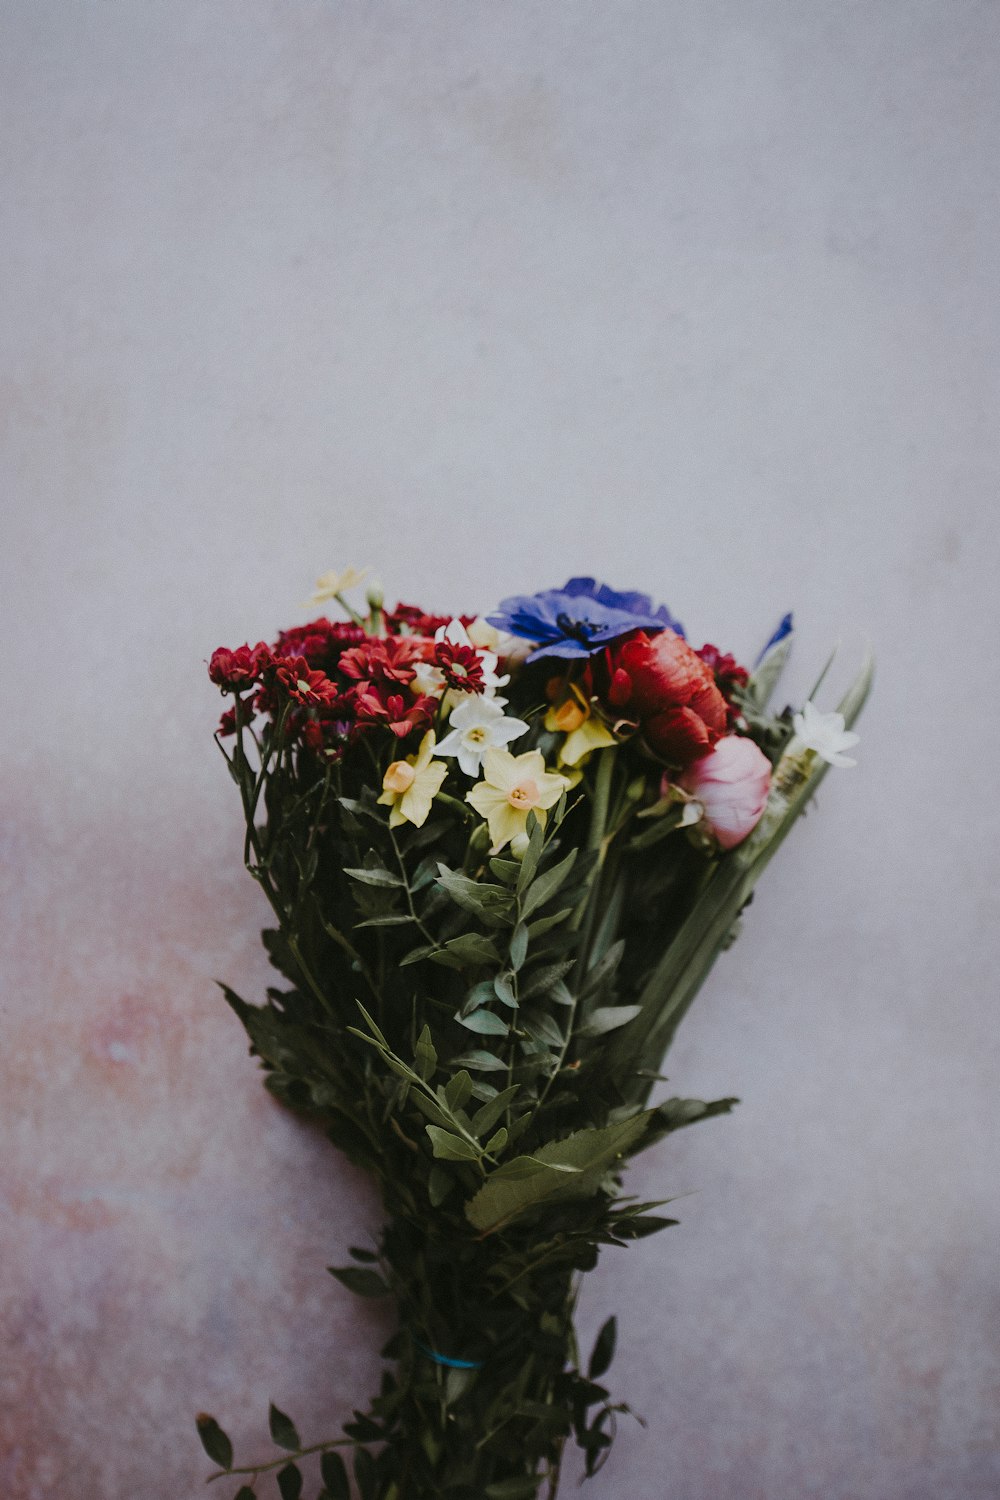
702, 296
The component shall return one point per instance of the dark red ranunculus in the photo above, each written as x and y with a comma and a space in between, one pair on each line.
664, 685
235, 671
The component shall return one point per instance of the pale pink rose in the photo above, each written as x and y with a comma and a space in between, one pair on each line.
731, 782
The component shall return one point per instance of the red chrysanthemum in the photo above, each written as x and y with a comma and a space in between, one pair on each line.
321, 642
235, 671
393, 711
415, 621
302, 683
462, 667
388, 662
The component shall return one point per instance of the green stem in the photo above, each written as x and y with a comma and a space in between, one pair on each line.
287, 1458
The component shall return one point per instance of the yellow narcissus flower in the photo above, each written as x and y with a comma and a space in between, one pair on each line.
329, 585
584, 731
512, 786
409, 786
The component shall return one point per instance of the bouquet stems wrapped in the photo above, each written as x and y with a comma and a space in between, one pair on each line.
502, 855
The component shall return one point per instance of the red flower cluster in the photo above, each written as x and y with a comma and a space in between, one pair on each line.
462, 668
729, 676
235, 671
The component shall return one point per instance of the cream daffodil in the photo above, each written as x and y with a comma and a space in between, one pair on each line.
476, 726
584, 731
331, 585
512, 786
409, 786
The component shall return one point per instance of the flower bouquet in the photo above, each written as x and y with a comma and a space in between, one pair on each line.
502, 854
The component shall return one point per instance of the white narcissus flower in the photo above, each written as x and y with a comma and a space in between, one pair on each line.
476, 726
512, 786
409, 786
456, 634
825, 733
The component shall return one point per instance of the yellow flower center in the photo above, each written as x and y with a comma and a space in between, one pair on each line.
475, 736
399, 777
524, 795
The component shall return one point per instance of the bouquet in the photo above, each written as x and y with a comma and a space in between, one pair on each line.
502, 854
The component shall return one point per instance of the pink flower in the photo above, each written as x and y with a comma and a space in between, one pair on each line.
731, 782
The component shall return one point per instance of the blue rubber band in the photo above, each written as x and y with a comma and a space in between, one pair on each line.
451, 1364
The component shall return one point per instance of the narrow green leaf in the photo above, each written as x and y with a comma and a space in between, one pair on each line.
485, 1023
457, 1090
424, 950
533, 853
541, 1028
375, 876
394, 919
545, 978
439, 1185
244, 1493
503, 988
371, 1025
214, 1441
506, 870
603, 970
363, 1283
331, 1467
484, 1119
480, 1061
426, 1055
497, 1142
608, 1018
448, 1147
518, 946
469, 948
545, 924
604, 1349
366, 1256
282, 1427
513, 1489
545, 886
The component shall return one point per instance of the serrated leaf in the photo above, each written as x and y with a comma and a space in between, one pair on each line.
484, 1119
485, 1023
604, 1349
289, 1482
518, 946
282, 1427
214, 1441
572, 1168
449, 1147
608, 1018
363, 1283
334, 1474
545, 886
375, 876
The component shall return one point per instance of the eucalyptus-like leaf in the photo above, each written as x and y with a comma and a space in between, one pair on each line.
363, 1283
608, 1018
450, 1147
375, 876
484, 1022
214, 1441
282, 1427
331, 1467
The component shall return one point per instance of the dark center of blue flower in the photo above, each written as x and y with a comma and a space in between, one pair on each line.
579, 630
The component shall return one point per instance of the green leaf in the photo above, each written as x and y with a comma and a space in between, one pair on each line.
425, 1058
282, 1427
480, 1061
545, 924
395, 919
542, 1028
544, 887
764, 678
497, 1142
367, 1256
457, 1090
545, 978
364, 1473
375, 876
604, 1349
533, 853
603, 970
362, 1283
448, 1147
484, 1119
439, 1185
424, 950
484, 1022
504, 990
469, 948
608, 1018
289, 1482
506, 870
331, 1467
518, 946
244, 1493
480, 897
572, 1168
371, 1025
214, 1441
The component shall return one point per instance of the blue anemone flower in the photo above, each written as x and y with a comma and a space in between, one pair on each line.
579, 619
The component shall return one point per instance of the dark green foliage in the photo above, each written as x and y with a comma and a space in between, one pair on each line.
214, 1441
283, 1429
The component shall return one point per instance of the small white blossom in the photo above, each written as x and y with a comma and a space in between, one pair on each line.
477, 725
825, 733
